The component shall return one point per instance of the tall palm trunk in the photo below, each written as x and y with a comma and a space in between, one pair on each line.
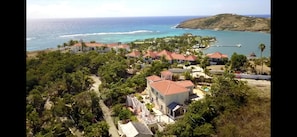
262, 47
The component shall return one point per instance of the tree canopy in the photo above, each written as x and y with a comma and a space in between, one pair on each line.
58, 97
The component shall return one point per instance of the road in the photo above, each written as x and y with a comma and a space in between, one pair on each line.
106, 112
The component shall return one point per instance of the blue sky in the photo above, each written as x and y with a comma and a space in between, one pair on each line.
136, 8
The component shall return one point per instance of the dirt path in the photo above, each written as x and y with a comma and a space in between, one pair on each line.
106, 112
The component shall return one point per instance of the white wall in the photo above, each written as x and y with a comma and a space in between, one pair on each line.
178, 98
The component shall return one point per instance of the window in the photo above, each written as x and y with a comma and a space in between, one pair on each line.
161, 97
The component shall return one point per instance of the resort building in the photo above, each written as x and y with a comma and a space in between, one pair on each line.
171, 57
99, 47
133, 54
217, 58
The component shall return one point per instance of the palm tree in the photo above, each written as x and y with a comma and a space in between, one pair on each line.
59, 46
71, 42
83, 45
262, 48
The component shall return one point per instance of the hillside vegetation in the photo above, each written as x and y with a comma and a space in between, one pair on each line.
229, 22
233, 110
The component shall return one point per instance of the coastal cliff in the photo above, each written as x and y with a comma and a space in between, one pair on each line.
229, 22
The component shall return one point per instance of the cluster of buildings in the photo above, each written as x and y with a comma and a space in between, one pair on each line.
171, 57
149, 56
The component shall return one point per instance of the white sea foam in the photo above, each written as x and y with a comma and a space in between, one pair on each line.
109, 33
174, 27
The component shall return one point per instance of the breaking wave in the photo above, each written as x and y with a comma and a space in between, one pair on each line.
109, 33
174, 27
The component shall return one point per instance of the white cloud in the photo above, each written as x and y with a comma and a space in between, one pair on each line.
112, 9
122, 8
61, 9
72, 10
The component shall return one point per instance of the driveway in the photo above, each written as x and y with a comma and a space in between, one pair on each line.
106, 112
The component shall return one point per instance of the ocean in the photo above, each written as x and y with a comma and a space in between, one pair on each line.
48, 33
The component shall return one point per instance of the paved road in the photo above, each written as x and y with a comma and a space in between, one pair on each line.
106, 112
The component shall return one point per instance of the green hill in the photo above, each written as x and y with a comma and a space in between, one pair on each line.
229, 22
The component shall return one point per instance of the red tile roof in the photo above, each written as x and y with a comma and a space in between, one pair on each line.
217, 55
166, 73
191, 58
165, 53
112, 45
178, 56
134, 53
153, 78
185, 83
168, 87
150, 54
123, 46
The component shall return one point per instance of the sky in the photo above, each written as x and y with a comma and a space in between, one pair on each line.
142, 8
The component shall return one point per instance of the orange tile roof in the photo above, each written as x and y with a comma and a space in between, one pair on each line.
153, 78
112, 45
191, 58
169, 55
217, 55
185, 83
134, 53
166, 73
123, 46
178, 56
168, 87
151, 54
165, 53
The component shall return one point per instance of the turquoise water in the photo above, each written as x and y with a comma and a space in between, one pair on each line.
48, 33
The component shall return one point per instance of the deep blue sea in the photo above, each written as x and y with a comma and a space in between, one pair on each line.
48, 33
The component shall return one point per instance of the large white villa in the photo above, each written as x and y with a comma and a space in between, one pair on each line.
169, 96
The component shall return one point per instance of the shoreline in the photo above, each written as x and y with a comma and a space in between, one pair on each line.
216, 29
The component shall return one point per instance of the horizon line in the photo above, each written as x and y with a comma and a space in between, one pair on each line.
142, 16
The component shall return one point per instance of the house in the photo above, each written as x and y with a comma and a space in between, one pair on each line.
134, 129
217, 58
124, 46
191, 59
252, 56
169, 56
166, 75
179, 58
119, 45
133, 54
150, 56
169, 96
166, 54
